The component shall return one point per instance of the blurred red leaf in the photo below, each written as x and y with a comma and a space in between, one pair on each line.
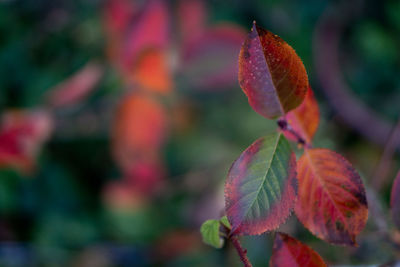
77, 87
207, 60
395, 201
139, 130
261, 187
271, 74
288, 251
145, 175
151, 71
117, 16
150, 29
22, 134
331, 200
304, 119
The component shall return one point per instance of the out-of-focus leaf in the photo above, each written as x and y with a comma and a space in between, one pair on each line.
304, 119
207, 61
192, 16
261, 187
119, 195
117, 15
152, 72
177, 243
271, 74
77, 87
395, 201
331, 201
139, 130
133, 28
288, 251
210, 232
22, 135
149, 30
145, 175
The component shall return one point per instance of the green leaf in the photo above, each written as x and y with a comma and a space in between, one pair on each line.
224, 221
210, 232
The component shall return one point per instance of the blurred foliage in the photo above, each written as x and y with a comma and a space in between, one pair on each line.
75, 210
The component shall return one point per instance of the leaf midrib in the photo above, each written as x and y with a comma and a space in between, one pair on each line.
265, 176
277, 99
322, 183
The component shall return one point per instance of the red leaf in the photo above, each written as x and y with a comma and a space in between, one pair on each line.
207, 60
133, 28
395, 201
117, 15
288, 251
331, 200
77, 87
261, 188
139, 130
145, 175
271, 74
149, 30
22, 135
304, 119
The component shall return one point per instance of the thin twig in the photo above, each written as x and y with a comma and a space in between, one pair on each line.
241, 251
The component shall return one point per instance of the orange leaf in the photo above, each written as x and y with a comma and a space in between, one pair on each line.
139, 130
152, 72
76, 87
288, 251
331, 198
304, 119
271, 74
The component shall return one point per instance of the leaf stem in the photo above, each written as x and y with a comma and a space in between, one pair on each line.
284, 126
241, 251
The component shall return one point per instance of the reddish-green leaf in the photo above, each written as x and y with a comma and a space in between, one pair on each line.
304, 119
331, 199
289, 251
261, 187
395, 201
271, 74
